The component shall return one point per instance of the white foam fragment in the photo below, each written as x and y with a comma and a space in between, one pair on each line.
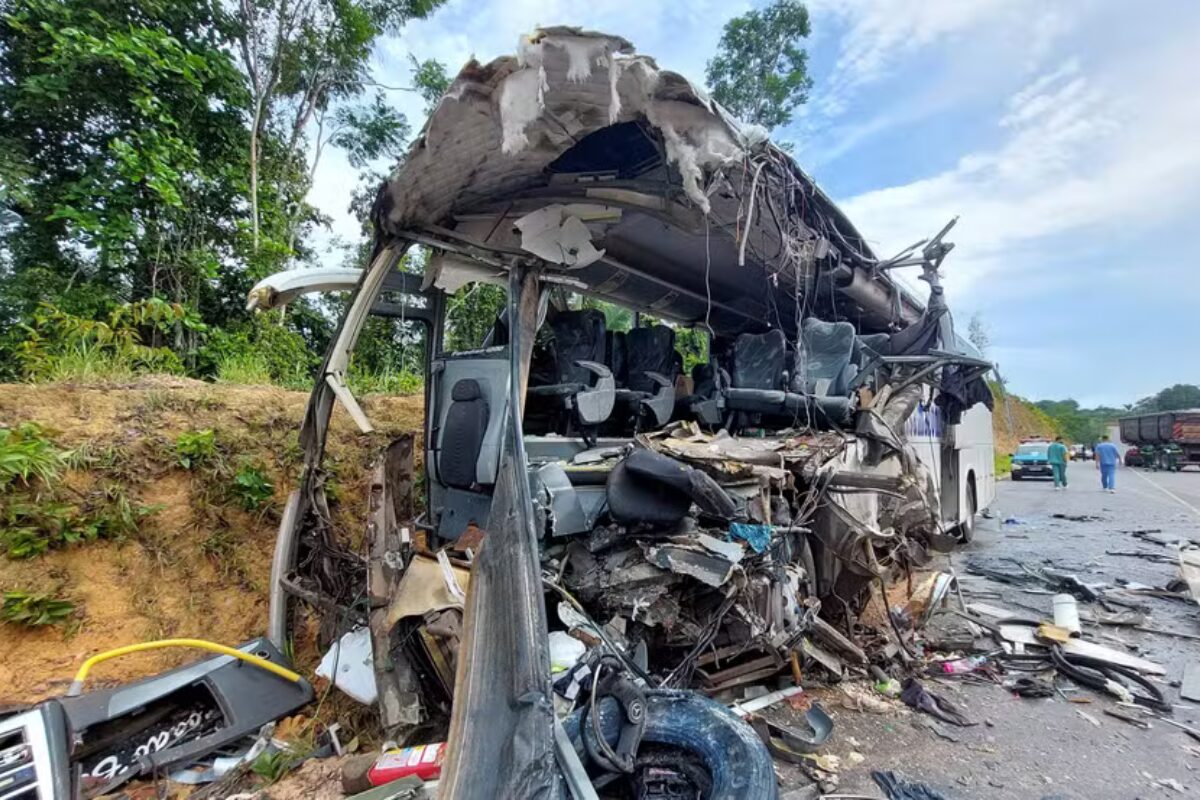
614, 103
523, 97
558, 237
582, 52
696, 140
586, 52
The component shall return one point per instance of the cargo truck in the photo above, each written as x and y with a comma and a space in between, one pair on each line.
1165, 439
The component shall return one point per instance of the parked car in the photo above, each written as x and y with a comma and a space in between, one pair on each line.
1133, 458
1031, 460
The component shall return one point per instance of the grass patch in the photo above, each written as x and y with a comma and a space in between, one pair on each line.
63, 347
34, 610
364, 381
27, 454
31, 524
244, 367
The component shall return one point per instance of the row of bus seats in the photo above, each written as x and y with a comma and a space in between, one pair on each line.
763, 380
586, 379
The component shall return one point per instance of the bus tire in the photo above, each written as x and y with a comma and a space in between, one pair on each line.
966, 529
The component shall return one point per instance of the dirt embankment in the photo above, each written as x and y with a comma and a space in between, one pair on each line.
1015, 418
198, 563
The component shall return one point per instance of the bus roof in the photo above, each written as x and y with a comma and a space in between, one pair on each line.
655, 197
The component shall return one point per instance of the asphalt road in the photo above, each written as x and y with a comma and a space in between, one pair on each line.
1046, 748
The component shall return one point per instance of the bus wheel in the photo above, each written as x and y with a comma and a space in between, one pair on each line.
966, 529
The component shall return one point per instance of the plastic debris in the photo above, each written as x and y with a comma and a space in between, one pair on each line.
565, 651
351, 657
960, 666
859, 698
757, 536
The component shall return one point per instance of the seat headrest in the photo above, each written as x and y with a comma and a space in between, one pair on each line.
466, 389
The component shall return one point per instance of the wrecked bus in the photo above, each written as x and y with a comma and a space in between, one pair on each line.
609, 541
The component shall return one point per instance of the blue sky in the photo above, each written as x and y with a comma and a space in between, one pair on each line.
1065, 135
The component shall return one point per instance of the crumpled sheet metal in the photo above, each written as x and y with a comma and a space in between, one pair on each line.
500, 741
502, 123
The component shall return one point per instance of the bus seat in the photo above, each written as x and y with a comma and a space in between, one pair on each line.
648, 391
615, 343
648, 487
820, 396
706, 402
462, 435
823, 362
757, 373
585, 383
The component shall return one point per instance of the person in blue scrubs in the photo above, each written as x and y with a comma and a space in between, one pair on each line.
1107, 457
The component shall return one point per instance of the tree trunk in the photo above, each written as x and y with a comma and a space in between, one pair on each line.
254, 174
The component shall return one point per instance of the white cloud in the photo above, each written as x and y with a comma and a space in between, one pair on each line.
1089, 152
879, 35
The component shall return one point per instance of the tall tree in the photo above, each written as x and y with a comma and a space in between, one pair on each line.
977, 334
122, 119
1177, 397
760, 72
301, 59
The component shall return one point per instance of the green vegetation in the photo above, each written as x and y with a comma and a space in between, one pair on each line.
155, 160
32, 523
38, 512
23, 608
1003, 463
274, 764
760, 73
195, 447
27, 454
1079, 425
251, 487
1173, 398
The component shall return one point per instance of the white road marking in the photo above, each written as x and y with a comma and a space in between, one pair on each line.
1167, 492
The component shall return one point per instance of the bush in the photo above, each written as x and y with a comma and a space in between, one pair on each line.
59, 346
251, 487
31, 525
24, 608
1003, 463
261, 352
195, 447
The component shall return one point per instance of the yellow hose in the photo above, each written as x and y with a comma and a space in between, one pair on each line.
81, 676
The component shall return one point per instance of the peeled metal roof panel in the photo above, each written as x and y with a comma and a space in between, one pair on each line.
489, 145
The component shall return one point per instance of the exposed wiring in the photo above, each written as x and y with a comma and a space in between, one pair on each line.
749, 215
